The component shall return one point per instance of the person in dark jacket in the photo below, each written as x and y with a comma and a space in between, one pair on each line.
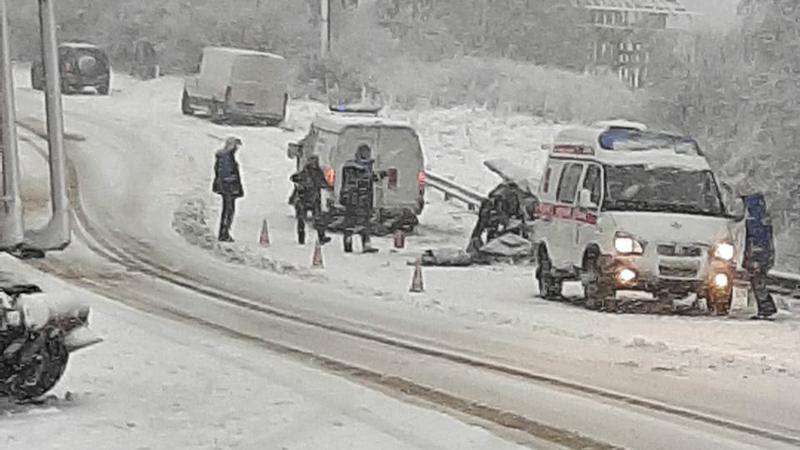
309, 183
356, 196
495, 214
228, 184
759, 253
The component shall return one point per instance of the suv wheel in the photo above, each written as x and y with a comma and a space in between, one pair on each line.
597, 285
36, 79
103, 90
549, 286
186, 104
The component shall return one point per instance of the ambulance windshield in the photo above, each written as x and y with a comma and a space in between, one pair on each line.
662, 189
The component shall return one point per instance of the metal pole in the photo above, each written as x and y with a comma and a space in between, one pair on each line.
11, 234
56, 234
325, 32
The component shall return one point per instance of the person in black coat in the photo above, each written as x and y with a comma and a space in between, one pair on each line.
309, 183
228, 184
356, 196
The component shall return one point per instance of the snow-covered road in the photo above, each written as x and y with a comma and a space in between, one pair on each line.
142, 160
160, 384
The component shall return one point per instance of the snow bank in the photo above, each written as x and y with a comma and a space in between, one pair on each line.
189, 221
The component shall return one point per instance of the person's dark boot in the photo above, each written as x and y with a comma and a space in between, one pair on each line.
366, 247
224, 235
301, 237
323, 239
348, 244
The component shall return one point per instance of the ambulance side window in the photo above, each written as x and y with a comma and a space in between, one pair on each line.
592, 182
568, 184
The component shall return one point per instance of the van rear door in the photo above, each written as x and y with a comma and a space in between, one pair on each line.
399, 152
258, 85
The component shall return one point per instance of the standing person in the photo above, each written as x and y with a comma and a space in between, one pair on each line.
309, 183
356, 196
759, 254
228, 184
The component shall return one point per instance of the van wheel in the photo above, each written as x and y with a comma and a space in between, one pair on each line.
103, 90
217, 112
597, 285
186, 104
549, 286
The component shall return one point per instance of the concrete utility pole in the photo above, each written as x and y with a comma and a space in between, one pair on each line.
11, 225
56, 234
325, 30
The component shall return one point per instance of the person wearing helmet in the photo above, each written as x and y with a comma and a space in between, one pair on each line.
356, 196
309, 183
227, 184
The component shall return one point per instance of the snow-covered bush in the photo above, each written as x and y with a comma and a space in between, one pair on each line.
738, 93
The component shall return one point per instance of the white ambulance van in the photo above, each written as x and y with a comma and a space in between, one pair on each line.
627, 209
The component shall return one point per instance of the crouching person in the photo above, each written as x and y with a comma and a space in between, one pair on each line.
307, 197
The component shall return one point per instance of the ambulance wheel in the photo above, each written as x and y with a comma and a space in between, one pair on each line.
597, 287
549, 286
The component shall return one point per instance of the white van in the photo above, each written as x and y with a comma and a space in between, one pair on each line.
238, 85
623, 208
395, 147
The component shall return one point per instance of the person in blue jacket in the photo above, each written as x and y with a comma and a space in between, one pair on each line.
759, 256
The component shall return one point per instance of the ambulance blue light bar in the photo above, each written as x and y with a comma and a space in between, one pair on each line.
633, 140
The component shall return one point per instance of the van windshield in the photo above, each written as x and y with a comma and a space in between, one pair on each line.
662, 189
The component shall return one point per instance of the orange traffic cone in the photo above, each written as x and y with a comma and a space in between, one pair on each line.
399, 239
316, 262
264, 237
416, 282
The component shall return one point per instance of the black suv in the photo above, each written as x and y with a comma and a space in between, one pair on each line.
82, 65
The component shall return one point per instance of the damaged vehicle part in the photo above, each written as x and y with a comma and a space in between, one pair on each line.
38, 332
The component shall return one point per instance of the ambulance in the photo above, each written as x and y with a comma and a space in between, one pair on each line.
623, 208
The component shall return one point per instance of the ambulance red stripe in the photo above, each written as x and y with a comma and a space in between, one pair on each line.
565, 212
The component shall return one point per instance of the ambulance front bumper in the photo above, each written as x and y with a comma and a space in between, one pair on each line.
675, 275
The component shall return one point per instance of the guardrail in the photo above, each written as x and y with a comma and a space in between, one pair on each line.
782, 283
453, 190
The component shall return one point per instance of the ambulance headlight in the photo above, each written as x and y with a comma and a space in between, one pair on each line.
627, 245
721, 281
724, 251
